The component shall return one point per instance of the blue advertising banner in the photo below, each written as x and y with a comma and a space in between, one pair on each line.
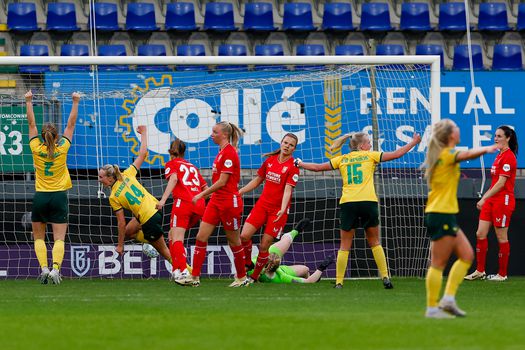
316, 108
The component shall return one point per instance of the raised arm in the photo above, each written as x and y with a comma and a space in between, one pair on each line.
475, 153
416, 138
33, 131
72, 120
252, 185
143, 151
498, 186
172, 182
313, 166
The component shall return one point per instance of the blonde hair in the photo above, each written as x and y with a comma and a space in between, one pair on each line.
441, 132
277, 151
274, 261
356, 139
112, 171
49, 134
233, 131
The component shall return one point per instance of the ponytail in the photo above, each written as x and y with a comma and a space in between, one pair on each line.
441, 132
513, 138
233, 131
49, 134
356, 139
277, 151
113, 171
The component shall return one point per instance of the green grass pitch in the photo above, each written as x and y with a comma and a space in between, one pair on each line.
157, 314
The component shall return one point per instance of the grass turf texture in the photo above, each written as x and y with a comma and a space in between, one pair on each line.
157, 314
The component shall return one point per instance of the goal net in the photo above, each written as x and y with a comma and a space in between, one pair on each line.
317, 98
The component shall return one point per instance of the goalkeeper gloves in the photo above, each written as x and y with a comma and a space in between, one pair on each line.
326, 262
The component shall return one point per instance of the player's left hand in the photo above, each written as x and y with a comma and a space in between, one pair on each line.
120, 249
480, 203
416, 138
141, 129
279, 215
196, 198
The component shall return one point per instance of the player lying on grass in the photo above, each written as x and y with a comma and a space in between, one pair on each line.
274, 272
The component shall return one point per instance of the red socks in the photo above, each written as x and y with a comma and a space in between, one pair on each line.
180, 253
238, 260
503, 258
482, 246
247, 246
262, 259
199, 256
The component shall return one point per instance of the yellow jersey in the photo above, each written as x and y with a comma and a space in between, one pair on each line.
51, 175
357, 170
442, 197
131, 195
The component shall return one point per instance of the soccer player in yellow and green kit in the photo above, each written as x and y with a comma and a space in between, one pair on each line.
359, 199
128, 193
50, 204
442, 173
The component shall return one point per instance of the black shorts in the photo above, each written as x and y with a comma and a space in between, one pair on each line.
152, 228
358, 214
52, 207
439, 225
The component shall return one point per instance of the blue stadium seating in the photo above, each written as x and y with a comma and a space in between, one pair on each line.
298, 17
33, 50
349, 50
141, 17
21, 17
191, 50
521, 17
461, 58
152, 50
258, 16
507, 57
112, 50
390, 49
415, 16
106, 17
219, 17
493, 17
180, 16
337, 16
375, 17
61, 17
233, 50
74, 50
309, 50
269, 50
431, 49
452, 16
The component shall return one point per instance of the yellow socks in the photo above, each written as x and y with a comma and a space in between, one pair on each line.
58, 253
433, 283
456, 276
41, 252
342, 261
140, 237
380, 258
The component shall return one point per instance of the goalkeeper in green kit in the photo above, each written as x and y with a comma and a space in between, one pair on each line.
274, 272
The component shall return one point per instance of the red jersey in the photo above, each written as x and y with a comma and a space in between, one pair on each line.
504, 165
227, 161
277, 175
189, 179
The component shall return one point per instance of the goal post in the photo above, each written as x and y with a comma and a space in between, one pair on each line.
320, 99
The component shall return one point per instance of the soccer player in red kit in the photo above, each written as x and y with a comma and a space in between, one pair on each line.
184, 182
497, 205
225, 205
280, 176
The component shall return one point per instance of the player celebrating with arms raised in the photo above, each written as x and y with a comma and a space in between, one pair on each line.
271, 209
184, 182
497, 205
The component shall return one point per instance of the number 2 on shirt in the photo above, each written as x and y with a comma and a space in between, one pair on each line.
354, 174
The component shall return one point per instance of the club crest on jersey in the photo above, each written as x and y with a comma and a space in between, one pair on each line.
228, 163
284, 169
80, 262
506, 167
295, 177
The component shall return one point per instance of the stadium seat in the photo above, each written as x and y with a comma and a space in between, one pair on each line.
141, 17
152, 50
269, 50
191, 50
180, 16
219, 17
431, 49
452, 16
375, 17
298, 17
21, 17
309, 50
33, 50
258, 16
112, 50
349, 50
337, 16
521, 17
74, 50
106, 17
232, 50
461, 58
61, 17
415, 16
493, 17
507, 57
390, 50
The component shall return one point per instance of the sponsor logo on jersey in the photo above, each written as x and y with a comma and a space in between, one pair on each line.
506, 167
273, 177
228, 163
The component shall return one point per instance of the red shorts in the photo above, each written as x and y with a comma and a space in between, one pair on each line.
185, 214
261, 215
498, 212
225, 211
